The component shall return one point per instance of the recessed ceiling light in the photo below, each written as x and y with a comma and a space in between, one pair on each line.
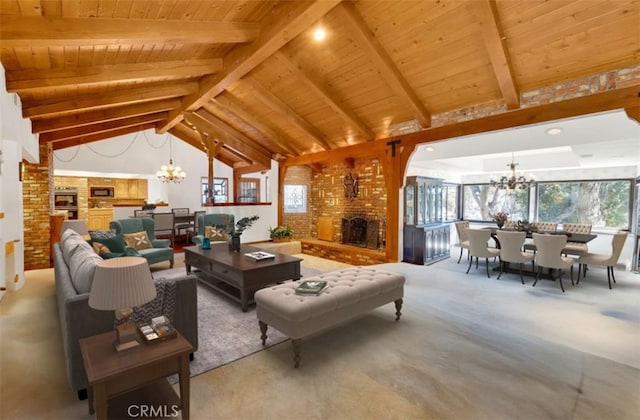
554, 131
319, 34
429, 149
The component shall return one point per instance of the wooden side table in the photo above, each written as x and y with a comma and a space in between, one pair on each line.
135, 380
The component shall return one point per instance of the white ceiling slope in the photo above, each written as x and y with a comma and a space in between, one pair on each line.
602, 140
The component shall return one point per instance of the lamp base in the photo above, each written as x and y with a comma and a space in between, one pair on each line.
126, 337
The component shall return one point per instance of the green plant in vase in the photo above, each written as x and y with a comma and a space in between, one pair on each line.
241, 225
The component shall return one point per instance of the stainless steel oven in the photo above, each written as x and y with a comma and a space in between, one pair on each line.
66, 199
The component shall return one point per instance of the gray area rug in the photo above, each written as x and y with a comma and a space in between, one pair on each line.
225, 333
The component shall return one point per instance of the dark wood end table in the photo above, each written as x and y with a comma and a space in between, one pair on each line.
133, 376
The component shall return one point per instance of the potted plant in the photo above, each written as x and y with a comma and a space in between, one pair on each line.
234, 235
281, 233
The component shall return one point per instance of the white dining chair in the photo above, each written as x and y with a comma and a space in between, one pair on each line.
604, 260
576, 248
478, 247
463, 238
549, 255
511, 250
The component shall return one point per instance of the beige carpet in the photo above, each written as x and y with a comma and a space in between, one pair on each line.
467, 347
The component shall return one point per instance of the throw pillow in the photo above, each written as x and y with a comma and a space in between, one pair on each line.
101, 248
138, 240
115, 244
69, 241
215, 234
102, 234
82, 265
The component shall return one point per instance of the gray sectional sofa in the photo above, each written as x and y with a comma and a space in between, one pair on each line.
74, 265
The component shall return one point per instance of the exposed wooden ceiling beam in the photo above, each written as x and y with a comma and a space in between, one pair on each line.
598, 102
102, 127
315, 85
40, 79
249, 169
227, 104
102, 115
190, 137
276, 105
385, 65
633, 112
17, 31
486, 13
47, 109
286, 22
245, 148
90, 138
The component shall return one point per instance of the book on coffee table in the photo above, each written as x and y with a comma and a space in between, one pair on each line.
311, 287
260, 255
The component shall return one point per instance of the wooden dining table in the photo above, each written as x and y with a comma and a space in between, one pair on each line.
582, 238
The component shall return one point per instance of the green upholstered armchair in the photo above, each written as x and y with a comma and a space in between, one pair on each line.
161, 249
223, 222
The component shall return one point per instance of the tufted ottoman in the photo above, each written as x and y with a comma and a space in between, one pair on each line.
349, 293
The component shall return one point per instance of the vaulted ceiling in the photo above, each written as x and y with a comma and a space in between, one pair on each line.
246, 81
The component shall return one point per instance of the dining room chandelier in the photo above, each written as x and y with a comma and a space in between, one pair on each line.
171, 173
513, 182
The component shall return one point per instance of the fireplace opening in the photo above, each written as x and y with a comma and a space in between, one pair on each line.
360, 231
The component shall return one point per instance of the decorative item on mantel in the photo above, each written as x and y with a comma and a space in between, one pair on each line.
500, 218
241, 226
350, 183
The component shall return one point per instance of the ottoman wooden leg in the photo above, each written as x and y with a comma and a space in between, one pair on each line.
398, 308
297, 345
263, 331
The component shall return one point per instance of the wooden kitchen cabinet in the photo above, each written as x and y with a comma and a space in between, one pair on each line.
122, 188
99, 219
127, 189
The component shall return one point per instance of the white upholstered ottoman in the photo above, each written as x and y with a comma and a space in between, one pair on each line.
349, 293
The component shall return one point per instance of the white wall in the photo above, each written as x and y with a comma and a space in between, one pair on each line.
16, 143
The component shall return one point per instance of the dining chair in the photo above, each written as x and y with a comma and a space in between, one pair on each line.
539, 227
576, 248
511, 250
604, 260
549, 255
180, 213
478, 241
163, 225
142, 213
463, 238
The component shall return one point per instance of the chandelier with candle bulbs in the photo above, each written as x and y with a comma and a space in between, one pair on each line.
171, 173
513, 182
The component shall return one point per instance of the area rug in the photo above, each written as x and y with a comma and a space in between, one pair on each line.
225, 333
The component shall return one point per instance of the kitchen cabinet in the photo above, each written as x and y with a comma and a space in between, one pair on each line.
99, 219
131, 189
122, 188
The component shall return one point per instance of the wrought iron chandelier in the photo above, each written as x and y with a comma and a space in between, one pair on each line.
170, 173
513, 182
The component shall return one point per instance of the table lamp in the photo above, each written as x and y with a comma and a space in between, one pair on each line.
78, 225
120, 284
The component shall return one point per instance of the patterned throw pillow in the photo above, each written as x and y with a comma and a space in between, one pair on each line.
102, 234
137, 240
215, 234
110, 239
101, 248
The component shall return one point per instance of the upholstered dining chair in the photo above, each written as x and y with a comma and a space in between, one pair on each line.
539, 227
163, 225
143, 213
576, 248
478, 241
186, 226
604, 260
463, 238
511, 250
510, 225
549, 255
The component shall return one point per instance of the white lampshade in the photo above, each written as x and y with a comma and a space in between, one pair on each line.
78, 225
120, 283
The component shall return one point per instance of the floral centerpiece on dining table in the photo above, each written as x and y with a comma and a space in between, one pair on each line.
500, 217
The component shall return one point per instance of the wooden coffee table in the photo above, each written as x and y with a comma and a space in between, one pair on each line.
236, 275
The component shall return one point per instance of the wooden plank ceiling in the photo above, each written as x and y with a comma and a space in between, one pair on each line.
247, 82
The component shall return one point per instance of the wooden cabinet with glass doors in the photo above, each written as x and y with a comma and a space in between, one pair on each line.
425, 237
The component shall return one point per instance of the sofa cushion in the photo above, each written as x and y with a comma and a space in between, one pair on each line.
69, 241
138, 240
115, 243
100, 249
82, 265
215, 233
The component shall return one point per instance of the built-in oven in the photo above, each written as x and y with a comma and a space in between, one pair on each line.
66, 199
102, 192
